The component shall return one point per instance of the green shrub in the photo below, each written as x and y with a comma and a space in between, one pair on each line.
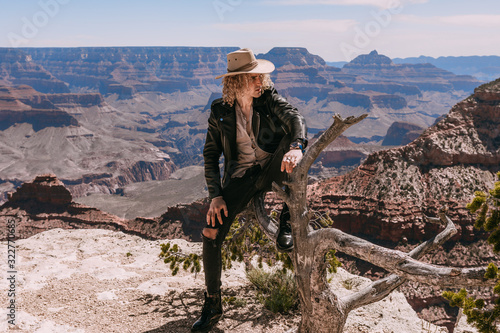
173, 255
484, 315
277, 289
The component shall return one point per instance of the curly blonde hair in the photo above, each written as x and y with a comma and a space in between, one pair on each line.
233, 84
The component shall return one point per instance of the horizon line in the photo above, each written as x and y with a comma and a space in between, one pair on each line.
228, 47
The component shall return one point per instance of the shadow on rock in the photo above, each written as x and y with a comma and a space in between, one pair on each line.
182, 309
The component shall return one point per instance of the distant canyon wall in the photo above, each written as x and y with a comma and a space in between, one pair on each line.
97, 112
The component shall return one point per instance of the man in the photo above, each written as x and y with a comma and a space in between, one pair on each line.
261, 136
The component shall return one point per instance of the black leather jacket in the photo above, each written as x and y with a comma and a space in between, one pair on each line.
273, 118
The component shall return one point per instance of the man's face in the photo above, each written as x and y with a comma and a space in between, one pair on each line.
255, 85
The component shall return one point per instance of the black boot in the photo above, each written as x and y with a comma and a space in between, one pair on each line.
210, 314
284, 240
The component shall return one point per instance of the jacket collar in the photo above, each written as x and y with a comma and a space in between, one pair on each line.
226, 109
262, 99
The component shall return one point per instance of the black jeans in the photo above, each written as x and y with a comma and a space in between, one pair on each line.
237, 193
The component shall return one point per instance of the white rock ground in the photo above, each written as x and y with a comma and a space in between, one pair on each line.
83, 281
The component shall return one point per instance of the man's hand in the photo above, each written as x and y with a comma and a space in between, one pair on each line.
290, 160
216, 205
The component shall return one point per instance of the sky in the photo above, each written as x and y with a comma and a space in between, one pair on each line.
336, 30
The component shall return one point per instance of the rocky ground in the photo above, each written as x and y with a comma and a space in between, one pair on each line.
105, 281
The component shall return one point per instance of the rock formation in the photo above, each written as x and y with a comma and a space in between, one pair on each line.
376, 67
296, 56
77, 136
25, 105
445, 165
18, 68
139, 74
486, 68
150, 102
370, 83
401, 133
45, 203
45, 190
385, 198
340, 156
126, 70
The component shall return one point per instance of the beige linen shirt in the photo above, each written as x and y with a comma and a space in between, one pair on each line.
249, 153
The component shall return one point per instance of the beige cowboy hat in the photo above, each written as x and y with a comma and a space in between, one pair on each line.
244, 61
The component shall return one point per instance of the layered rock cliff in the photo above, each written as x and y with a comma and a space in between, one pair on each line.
296, 56
376, 67
388, 194
160, 80
25, 105
18, 68
81, 138
45, 203
401, 133
126, 70
385, 199
147, 106
371, 83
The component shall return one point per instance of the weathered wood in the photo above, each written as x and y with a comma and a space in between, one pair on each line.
378, 290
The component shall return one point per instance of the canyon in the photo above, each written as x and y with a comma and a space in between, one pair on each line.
78, 136
384, 200
444, 166
101, 118
81, 121
45, 203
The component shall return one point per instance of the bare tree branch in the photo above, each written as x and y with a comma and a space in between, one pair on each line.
378, 290
374, 292
338, 127
398, 262
449, 231
296, 198
249, 216
322, 310
280, 192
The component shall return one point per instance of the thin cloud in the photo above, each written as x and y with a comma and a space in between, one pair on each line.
374, 3
313, 26
481, 21
473, 21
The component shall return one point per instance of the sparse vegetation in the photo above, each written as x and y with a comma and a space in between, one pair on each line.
246, 241
234, 301
482, 314
277, 289
489, 84
349, 284
175, 257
